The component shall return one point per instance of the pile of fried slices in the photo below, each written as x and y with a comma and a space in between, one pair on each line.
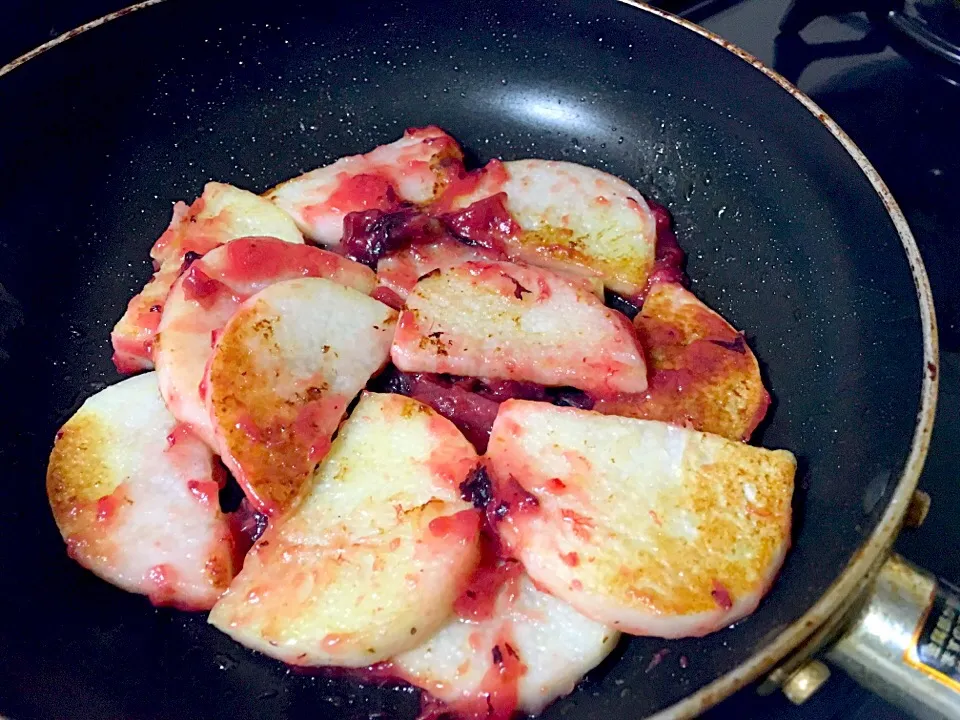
480, 426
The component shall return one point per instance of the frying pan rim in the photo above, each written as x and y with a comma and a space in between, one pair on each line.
881, 539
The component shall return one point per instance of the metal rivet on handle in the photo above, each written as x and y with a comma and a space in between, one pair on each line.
805, 682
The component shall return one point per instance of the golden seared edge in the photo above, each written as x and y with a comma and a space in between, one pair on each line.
375, 551
645, 526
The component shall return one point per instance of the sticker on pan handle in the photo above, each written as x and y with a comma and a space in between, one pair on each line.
935, 650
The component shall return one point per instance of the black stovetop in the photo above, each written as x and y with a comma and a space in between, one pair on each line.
902, 115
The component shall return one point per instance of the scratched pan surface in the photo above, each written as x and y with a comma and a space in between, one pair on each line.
785, 236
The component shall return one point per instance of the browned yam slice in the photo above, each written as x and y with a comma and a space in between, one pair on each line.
702, 373
281, 376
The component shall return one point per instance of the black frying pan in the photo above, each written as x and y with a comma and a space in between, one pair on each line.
789, 234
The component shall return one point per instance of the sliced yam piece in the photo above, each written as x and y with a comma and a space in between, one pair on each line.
703, 374
502, 320
414, 169
207, 295
134, 334
533, 649
400, 271
557, 644
285, 368
373, 555
135, 497
222, 213
641, 525
573, 217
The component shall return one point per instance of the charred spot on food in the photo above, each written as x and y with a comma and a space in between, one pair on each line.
315, 392
432, 273
518, 289
737, 345
189, 258
433, 341
156, 308
497, 655
477, 488
264, 327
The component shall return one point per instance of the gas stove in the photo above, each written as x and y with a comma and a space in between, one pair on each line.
888, 72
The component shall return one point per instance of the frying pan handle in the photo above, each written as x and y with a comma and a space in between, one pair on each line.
904, 644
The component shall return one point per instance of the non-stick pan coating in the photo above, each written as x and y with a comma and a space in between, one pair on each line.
785, 237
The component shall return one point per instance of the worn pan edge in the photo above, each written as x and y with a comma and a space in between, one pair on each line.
40, 49
884, 534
